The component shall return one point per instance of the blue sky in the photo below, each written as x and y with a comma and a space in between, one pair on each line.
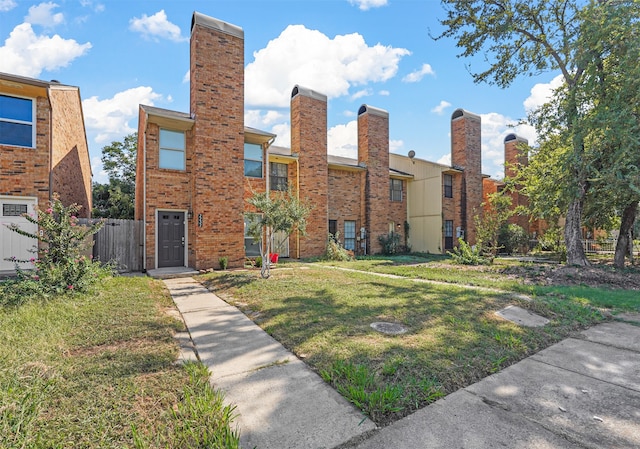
122, 53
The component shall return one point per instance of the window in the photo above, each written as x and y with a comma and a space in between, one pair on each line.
333, 229
448, 234
448, 186
253, 160
16, 121
172, 149
279, 176
251, 245
350, 235
396, 189
13, 210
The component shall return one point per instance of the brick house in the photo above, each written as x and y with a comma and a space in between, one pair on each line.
195, 171
43, 149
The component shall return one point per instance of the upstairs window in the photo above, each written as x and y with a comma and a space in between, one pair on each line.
172, 150
16, 121
448, 186
350, 235
278, 176
252, 160
396, 189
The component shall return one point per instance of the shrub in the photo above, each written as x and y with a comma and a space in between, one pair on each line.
465, 254
60, 265
224, 262
390, 243
513, 238
335, 251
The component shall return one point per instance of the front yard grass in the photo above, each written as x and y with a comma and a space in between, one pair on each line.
97, 370
323, 315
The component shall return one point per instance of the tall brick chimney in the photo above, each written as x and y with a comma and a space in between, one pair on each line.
373, 152
515, 154
309, 141
466, 155
217, 105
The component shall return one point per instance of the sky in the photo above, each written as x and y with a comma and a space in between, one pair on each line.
122, 53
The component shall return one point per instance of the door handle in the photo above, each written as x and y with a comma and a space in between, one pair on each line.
182, 240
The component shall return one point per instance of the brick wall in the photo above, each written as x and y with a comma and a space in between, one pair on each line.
466, 155
217, 102
25, 171
71, 165
346, 199
373, 152
309, 140
515, 154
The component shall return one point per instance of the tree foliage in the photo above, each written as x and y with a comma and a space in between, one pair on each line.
276, 211
582, 41
117, 198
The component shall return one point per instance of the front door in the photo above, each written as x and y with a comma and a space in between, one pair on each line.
170, 239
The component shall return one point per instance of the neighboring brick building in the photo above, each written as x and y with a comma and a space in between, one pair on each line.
195, 171
43, 149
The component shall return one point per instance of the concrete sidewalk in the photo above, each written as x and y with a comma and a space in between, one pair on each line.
281, 402
580, 393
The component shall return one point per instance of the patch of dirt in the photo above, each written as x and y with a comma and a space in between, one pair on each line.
597, 275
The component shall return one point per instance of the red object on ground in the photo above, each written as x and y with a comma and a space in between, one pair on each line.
274, 258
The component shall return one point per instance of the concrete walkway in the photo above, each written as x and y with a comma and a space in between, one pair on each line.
282, 403
583, 392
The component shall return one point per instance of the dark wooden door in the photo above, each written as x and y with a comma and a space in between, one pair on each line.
170, 239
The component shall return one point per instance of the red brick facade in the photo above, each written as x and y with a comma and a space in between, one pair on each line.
59, 160
212, 189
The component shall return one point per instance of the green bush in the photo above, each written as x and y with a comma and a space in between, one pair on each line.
335, 251
390, 243
60, 264
465, 254
224, 262
513, 239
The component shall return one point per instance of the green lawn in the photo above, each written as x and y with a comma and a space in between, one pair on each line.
98, 370
454, 338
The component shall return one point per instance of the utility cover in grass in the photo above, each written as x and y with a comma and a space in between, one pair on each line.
522, 317
389, 328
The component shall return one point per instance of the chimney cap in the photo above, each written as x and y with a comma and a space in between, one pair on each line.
216, 24
299, 90
371, 110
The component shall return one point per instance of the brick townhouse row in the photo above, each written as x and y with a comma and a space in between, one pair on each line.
195, 171
43, 149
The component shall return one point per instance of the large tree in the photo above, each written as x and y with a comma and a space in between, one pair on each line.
521, 37
117, 198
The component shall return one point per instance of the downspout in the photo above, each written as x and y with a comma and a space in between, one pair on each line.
298, 197
144, 196
50, 143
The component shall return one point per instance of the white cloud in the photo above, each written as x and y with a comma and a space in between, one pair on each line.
364, 5
156, 26
271, 121
313, 60
541, 93
109, 119
441, 107
445, 159
417, 75
187, 77
495, 127
384, 93
342, 140
43, 15
395, 146
25, 53
362, 93
99, 174
7, 5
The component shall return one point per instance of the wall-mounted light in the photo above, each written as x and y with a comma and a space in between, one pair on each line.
190, 215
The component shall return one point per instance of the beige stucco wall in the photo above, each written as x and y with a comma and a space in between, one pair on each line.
424, 208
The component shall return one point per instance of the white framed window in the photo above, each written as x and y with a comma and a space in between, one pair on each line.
252, 160
395, 186
17, 119
172, 150
350, 235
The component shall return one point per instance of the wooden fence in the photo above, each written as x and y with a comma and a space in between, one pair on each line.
120, 242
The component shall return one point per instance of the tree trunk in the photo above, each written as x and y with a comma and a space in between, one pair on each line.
628, 218
573, 235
